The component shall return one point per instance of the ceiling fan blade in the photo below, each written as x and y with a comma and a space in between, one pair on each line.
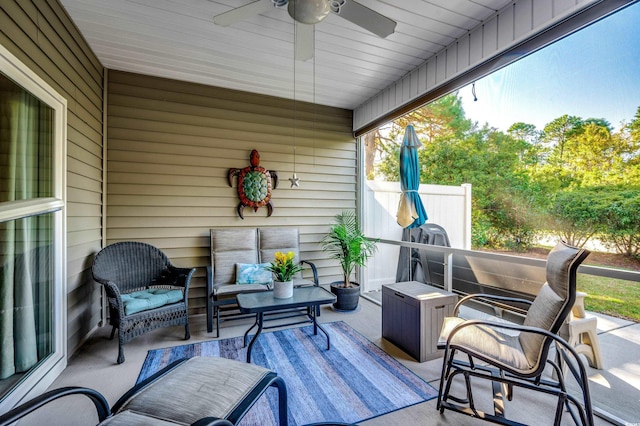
367, 18
305, 42
243, 12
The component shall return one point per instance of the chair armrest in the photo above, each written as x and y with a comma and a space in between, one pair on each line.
490, 297
314, 270
102, 407
176, 277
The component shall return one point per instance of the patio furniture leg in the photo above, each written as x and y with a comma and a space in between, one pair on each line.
246, 333
282, 400
120, 346
260, 320
317, 326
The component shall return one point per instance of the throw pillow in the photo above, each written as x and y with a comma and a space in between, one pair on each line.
252, 273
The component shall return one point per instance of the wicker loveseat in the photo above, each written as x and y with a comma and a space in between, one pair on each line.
233, 246
144, 290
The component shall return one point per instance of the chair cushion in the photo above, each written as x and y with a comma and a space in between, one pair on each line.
150, 298
543, 313
201, 387
253, 273
273, 240
234, 289
228, 247
486, 341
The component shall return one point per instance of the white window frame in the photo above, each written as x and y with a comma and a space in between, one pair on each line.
41, 377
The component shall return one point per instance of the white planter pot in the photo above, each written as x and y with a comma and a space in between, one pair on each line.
282, 289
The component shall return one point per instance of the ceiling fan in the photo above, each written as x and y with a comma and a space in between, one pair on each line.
307, 13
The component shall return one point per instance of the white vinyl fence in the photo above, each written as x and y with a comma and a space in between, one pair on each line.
447, 206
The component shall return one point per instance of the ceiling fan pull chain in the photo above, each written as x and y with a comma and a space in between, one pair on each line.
335, 5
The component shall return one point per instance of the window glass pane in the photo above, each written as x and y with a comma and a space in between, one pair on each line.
26, 289
26, 144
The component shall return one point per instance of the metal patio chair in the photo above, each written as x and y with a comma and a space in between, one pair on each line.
509, 354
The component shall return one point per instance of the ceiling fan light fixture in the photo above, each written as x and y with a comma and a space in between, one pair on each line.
308, 11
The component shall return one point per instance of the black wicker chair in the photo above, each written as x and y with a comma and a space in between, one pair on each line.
127, 267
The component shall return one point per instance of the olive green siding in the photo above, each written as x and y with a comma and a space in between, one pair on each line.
43, 37
170, 145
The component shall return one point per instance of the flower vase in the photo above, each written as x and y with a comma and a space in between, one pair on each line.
282, 289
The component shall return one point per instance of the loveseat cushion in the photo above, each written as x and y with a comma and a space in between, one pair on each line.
235, 289
150, 298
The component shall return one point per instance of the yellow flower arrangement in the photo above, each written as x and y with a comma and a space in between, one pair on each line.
283, 266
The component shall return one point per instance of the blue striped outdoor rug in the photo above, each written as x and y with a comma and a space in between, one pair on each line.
353, 381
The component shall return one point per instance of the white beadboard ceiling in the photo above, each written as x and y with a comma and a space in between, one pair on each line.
177, 39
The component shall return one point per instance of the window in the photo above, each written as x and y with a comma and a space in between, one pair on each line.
32, 261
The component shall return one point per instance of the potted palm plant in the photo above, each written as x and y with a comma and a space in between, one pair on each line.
346, 242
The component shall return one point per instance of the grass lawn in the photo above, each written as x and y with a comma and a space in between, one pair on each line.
610, 296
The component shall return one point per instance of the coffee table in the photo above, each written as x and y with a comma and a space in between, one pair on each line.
303, 297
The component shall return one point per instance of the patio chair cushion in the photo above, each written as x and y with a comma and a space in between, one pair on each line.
150, 298
253, 273
542, 314
503, 347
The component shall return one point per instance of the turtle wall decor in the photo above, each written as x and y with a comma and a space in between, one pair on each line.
255, 184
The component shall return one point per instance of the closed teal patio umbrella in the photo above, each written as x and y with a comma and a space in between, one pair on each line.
411, 212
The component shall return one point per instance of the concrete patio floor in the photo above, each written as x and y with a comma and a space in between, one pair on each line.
615, 389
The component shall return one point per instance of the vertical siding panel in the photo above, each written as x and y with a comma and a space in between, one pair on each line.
422, 78
397, 100
414, 82
406, 88
386, 98
475, 46
452, 60
42, 35
463, 53
560, 7
441, 67
172, 143
523, 18
490, 38
431, 73
542, 12
505, 28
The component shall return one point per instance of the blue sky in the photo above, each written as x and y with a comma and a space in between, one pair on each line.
594, 73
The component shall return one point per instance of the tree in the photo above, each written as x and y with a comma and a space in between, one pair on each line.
442, 119
556, 133
621, 210
532, 152
575, 216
